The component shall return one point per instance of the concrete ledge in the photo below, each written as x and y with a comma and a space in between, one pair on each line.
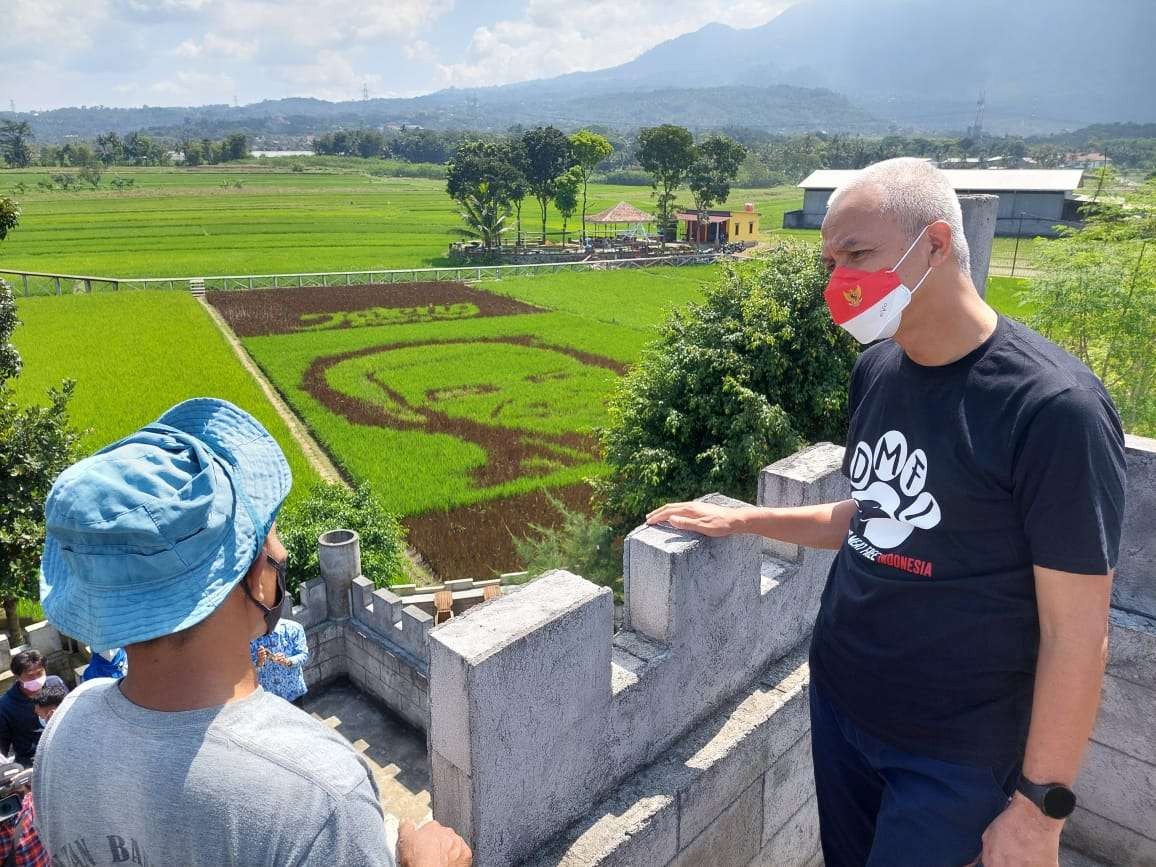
796, 844
1107, 841
708, 792
1119, 788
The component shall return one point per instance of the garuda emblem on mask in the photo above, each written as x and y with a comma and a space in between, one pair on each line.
854, 297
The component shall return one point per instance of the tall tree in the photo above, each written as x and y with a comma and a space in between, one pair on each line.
483, 181
547, 155
36, 444
566, 195
588, 150
667, 152
716, 165
9, 216
16, 142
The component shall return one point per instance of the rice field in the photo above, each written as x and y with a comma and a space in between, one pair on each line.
133, 355
265, 219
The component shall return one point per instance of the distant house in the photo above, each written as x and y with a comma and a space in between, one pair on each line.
719, 227
1031, 201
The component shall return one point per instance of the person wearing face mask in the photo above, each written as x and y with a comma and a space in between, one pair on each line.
164, 543
106, 663
19, 726
958, 653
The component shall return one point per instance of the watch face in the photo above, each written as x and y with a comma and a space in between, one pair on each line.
1059, 802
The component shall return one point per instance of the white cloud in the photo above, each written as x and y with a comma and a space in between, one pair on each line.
419, 51
218, 46
552, 39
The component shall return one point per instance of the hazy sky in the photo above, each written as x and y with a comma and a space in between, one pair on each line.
187, 52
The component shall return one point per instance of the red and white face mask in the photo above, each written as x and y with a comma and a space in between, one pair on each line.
869, 304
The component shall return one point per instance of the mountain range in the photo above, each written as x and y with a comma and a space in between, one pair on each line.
837, 65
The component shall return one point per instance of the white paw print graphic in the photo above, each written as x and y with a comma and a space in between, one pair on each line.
887, 482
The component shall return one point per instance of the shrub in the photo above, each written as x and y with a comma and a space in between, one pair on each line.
331, 506
582, 544
746, 377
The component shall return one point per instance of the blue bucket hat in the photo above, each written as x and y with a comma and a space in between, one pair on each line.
148, 536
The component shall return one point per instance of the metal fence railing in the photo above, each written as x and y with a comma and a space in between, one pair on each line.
41, 283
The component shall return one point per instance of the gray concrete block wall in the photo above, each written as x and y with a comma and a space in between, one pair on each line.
538, 677
1116, 820
736, 790
1135, 586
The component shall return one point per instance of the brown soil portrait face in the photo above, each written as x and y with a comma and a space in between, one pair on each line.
257, 312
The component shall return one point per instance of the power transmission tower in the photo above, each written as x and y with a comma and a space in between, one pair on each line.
12, 105
365, 90
976, 130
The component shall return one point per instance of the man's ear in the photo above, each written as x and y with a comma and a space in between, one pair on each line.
939, 233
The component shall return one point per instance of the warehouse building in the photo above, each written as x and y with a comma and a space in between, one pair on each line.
1031, 201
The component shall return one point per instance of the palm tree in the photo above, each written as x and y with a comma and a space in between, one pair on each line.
485, 218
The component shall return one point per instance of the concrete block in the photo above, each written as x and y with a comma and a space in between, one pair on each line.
460, 584
733, 839
979, 220
302, 614
1120, 788
43, 636
313, 595
387, 608
732, 749
796, 843
808, 477
5, 652
1107, 841
414, 633
637, 827
361, 597
1134, 588
1132, 648
525, 686
1127, 720
787, 786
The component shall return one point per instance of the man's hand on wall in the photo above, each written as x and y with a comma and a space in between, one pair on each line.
704, 518
431, 845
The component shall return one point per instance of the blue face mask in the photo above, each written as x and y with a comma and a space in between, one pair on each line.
272, 615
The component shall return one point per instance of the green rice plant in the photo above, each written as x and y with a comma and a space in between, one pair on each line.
133, 355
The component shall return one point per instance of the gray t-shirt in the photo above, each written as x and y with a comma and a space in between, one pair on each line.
252, 782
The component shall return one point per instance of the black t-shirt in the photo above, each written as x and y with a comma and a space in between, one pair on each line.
966, 475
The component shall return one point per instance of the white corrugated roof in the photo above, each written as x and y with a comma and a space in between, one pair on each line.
971, 180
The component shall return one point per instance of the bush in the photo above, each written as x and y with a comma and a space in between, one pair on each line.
625, 178
746, 377
582, 544
331, 506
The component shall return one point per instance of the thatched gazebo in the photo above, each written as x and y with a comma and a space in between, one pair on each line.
624, 214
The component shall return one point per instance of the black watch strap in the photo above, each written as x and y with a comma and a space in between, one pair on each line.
1055, 800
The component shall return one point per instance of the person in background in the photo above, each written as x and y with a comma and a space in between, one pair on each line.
20, 844
107, 663
280, 659
164, 543
19, 726
47, 700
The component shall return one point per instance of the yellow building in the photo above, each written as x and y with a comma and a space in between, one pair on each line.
720, 227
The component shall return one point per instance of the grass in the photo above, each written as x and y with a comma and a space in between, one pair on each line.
133, 355
265, 218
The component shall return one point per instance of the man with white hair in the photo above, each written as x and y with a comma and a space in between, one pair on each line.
960, 644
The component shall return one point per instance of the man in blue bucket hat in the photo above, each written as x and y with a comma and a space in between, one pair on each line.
164, 543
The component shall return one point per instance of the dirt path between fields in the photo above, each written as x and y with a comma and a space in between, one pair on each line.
313, 451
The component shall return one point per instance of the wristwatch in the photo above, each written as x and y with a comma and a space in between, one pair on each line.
1055, 801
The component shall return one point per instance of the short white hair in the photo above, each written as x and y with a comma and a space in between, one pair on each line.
915, 194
